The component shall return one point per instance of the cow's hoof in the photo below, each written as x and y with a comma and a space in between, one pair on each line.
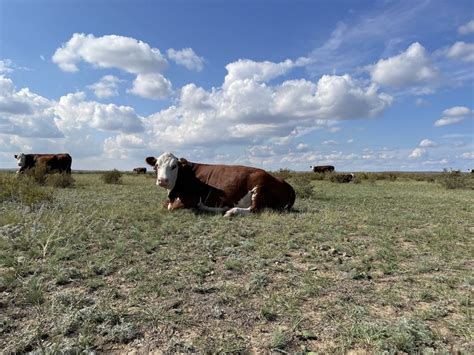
230, 213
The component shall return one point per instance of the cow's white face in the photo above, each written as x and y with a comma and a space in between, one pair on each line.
166, 167
20, 158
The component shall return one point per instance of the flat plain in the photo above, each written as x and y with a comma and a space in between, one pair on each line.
378, 265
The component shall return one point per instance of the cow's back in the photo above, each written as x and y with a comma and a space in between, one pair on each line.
61, 162
236, 181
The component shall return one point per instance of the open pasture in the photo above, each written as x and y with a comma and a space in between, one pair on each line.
370, 266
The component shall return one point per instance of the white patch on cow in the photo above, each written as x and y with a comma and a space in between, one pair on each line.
244, 205
237, 210
20, 158
166, 170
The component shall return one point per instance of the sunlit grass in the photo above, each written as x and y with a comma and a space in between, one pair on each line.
381, 265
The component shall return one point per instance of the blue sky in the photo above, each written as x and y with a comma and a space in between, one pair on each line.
363, 85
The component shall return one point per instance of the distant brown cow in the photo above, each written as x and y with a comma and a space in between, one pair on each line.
233, 189
139, 170
52, 162
323, 169
345, 178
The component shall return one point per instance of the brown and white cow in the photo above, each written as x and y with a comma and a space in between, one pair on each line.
139, 170
233, 189
52, 162
323, 168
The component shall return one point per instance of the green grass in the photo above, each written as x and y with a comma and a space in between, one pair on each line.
381, 265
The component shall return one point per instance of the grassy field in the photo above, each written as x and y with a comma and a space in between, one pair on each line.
374, 266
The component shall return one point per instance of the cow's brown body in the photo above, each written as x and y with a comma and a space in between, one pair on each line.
323, 169
52, 162
223, 187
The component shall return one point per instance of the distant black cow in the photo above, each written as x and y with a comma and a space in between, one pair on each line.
323, 169
52, 162
139, 170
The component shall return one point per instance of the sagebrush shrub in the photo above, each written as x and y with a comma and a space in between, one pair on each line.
59, 180
23, 189
452, 181
112, 177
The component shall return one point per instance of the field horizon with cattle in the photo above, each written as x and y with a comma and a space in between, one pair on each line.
383, 263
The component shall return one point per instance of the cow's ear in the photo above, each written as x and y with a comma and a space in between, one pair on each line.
183, 162
151, 161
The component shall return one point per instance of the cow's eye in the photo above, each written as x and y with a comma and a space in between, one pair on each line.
173, 167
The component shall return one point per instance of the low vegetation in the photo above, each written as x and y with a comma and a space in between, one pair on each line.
112, 177
382, 265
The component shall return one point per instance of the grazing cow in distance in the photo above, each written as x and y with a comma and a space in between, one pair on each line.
52, 162
323, 168
233, 189
139, 170
345, 178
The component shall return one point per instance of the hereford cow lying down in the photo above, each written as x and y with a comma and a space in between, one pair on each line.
232, 189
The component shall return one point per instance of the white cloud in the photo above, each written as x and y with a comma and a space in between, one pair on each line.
447, 121
457, 111
125, 146
74, 113
110, 51
106, 87
426, 143
5, 66
25, 113
330, 142
466, 28
151, 86
454, 115
461, 50
247, 111
302, 147
467, 155
417, 153
259, 71
412, 67
125, 53
187, 58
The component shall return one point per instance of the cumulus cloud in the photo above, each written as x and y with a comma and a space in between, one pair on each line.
462, 51
447, 121
417, 153
454, 115
25, 113
412, 67
124, 53
151, 86
106, 87
110, 51
124, 146
187, 58
426, 143
259, 71
73, 112
466, 28
246, 109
